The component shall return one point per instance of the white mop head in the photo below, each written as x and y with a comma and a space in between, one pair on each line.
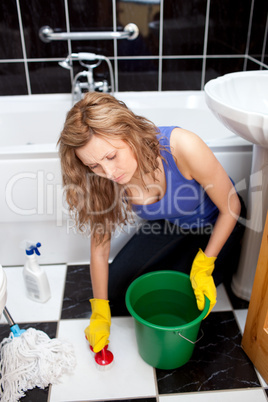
32, 360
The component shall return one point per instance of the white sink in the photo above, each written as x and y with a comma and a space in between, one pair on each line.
240, 102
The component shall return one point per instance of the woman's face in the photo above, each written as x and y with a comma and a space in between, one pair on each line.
112, 159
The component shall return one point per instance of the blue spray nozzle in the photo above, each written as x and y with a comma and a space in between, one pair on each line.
33, 249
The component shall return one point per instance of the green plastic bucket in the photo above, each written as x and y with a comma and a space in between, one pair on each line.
166, 317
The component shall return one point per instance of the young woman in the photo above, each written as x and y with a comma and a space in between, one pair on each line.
115, 163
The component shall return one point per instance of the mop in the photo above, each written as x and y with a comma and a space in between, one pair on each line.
29, 359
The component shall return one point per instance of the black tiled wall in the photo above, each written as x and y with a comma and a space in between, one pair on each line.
182, 44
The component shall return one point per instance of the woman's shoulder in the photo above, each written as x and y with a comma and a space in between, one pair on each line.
188, 150
183, 141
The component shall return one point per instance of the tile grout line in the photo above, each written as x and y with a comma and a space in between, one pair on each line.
203, 76
115, 47
260, 63
27, 76
160, 53
58, 322
69, 43
156, 57
249, 34
62, 299
264, 40
156, 385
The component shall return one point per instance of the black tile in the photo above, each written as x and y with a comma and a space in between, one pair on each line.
136, 47
4, 331
216, 67
218, 361
103, 47
237, 303
49, 328
265, 60
181, 74
257, 35
228, 26
36, 395
146, 17
136, 400
138, 75
49, 77
251, 65
184, 27
13, 79
50, 13
10, 44
78, 291
91, 16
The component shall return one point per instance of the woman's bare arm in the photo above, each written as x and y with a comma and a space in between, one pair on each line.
196, 161
99, 268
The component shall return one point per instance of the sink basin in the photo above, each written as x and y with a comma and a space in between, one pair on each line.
240, 102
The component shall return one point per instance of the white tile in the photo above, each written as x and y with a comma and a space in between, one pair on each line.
247, 395
241, 317
23, 309
223, 302
261, 379
128, 377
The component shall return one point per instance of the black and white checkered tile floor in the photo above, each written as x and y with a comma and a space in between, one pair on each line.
218, 371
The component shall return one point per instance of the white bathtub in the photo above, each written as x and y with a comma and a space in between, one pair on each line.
31, 206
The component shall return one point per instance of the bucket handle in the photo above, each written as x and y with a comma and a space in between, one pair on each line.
189, 339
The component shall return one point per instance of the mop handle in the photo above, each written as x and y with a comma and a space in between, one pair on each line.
15, 329
8, 317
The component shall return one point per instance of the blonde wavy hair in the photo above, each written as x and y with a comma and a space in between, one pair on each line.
94, 200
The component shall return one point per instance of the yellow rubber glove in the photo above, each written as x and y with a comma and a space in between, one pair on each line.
202, 280
98, 331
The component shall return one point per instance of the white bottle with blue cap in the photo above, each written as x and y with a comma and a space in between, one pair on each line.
37, 285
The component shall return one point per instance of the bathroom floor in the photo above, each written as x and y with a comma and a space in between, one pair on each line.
218, 371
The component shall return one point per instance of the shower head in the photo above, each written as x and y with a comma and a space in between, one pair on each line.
82, 56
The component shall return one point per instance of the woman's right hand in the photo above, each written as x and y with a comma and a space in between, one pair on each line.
202, 280
98, 331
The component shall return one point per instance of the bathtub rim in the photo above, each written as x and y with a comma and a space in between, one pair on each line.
50, 150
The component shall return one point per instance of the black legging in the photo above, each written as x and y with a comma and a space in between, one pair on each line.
159, 245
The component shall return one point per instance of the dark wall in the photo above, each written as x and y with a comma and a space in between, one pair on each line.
182, 44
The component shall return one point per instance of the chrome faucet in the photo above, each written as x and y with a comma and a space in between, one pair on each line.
84, 80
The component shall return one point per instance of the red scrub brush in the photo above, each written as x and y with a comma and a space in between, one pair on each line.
104, 358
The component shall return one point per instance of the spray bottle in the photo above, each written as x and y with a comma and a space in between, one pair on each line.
37, 285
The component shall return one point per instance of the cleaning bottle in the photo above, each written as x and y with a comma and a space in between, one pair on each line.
37, 285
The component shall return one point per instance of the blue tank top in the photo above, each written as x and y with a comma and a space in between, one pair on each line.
185, 202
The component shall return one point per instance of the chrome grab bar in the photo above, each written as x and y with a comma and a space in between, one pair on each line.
47, 34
